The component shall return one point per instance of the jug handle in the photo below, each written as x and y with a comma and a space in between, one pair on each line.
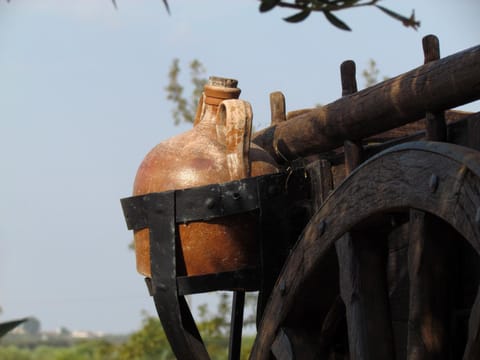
199, 112
234, 130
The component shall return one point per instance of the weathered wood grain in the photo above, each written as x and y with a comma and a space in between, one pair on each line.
429, 272
277, 108
362, 258
436, 86
436, 127
402, 176
363, 287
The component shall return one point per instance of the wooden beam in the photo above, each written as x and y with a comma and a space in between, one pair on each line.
436, 86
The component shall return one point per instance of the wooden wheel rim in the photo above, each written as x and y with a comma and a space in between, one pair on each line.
438, 178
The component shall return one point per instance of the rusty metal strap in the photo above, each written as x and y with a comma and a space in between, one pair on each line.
199, 203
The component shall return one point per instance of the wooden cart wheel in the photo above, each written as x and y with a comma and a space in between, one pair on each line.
406, 227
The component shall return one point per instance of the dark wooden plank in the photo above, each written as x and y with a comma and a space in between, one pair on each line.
436, 86
430, 308
401, 183
332, 324
362, 260
451, 116
436, 127
295, 344
321, 181
353, 155
363, 287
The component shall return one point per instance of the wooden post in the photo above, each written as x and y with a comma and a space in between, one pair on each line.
436, 127
362, 262
427, 259
277, 108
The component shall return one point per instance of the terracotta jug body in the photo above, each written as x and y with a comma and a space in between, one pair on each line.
216, 150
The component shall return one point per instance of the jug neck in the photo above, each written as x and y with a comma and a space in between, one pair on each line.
214, 92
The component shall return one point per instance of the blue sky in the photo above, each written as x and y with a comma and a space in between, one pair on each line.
82, 101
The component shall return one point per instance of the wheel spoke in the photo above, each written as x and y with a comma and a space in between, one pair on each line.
429, 301
363, 287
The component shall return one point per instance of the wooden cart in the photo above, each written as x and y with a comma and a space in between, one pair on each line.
369, 238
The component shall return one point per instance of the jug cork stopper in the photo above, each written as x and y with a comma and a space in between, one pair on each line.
222, 82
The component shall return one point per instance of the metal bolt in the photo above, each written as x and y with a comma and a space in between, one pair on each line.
210, 203
433, 183
236, 196
321, 227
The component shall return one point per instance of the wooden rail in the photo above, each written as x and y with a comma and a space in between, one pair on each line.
433, 87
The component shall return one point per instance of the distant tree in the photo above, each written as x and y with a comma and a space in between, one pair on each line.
185, 105
371, 74
64, 331
89, 350
149, 342
32, 326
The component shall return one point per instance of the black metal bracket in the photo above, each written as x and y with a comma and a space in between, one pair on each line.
162, 212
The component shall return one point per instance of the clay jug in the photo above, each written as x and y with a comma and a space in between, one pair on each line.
216, 150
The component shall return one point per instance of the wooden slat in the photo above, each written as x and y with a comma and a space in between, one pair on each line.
429, 309
321, 181
362, 262
363, 287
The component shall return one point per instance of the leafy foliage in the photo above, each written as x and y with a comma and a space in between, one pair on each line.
185, 107
306, 7
371, 74
148, 343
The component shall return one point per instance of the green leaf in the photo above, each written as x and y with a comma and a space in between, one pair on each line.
268, 5
298, 17
336, 21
